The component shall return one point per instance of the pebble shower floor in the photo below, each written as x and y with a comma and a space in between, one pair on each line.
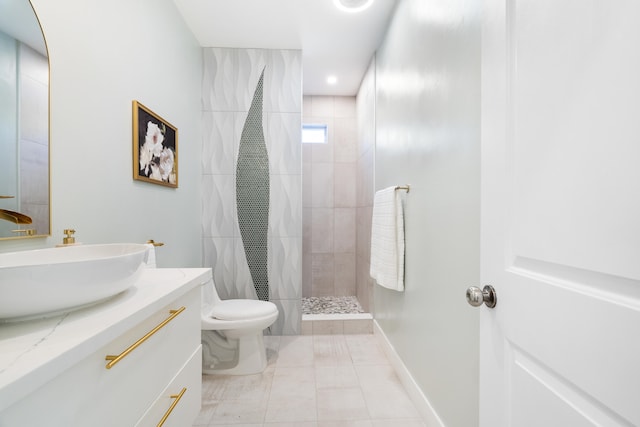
331, 305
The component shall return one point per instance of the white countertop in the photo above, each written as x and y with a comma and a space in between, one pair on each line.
34, 352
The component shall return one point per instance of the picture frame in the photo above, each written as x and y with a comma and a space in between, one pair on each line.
155, 148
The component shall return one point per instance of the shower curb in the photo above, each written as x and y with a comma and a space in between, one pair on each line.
337, 324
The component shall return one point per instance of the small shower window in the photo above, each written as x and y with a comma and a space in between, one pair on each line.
314, 134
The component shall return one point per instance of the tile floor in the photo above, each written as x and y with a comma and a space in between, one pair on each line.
312, 381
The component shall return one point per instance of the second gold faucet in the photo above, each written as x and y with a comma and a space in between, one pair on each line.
69, 239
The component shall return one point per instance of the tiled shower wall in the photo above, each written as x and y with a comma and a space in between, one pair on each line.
365, 187
329, 199
229, 81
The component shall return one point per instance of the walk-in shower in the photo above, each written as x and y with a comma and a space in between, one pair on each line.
335, 221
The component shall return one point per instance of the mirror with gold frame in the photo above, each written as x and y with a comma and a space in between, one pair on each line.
25, 196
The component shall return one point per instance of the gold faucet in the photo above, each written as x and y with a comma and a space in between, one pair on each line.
15, 217
69, 240
26, 231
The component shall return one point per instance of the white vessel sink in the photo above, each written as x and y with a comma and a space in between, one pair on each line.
43, 282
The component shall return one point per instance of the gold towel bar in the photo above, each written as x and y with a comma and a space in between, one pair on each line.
403, 187
177, 398
115, 359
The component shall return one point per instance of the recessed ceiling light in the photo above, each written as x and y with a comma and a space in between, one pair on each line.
352, 6
332, 80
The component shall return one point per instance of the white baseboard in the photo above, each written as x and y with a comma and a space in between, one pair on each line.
421, 402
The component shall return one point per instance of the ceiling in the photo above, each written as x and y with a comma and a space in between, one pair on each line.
333, 42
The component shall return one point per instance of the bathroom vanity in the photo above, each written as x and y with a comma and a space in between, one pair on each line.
133, 360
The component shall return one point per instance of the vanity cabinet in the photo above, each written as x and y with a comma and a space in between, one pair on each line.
140, 368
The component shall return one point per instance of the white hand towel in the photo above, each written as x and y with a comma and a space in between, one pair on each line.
150, 259
387, 240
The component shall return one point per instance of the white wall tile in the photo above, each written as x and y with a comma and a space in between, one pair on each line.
219, 80
284, 81
283, 139
218, 142
219, 217
218, 254
288, 322
251, 63
285, 267
229, 82
285, 206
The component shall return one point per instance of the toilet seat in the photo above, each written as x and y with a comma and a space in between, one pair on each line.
232, 314
242, 309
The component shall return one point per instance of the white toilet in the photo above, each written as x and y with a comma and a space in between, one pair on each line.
236, 327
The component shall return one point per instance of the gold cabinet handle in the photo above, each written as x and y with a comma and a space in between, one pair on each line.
177, 398
115, 359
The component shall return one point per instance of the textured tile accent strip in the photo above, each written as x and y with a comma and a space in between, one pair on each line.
252, 194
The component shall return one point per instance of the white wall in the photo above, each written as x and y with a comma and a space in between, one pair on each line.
103, 55
428, 136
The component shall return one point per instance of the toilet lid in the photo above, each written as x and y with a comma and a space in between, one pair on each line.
239, 309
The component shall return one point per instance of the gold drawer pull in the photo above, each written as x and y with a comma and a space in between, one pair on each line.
177, 398
116, 359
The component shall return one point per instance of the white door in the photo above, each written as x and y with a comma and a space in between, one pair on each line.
561, 213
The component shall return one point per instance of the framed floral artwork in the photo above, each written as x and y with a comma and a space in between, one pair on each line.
155, 148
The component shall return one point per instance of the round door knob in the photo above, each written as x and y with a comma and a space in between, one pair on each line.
476, 296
